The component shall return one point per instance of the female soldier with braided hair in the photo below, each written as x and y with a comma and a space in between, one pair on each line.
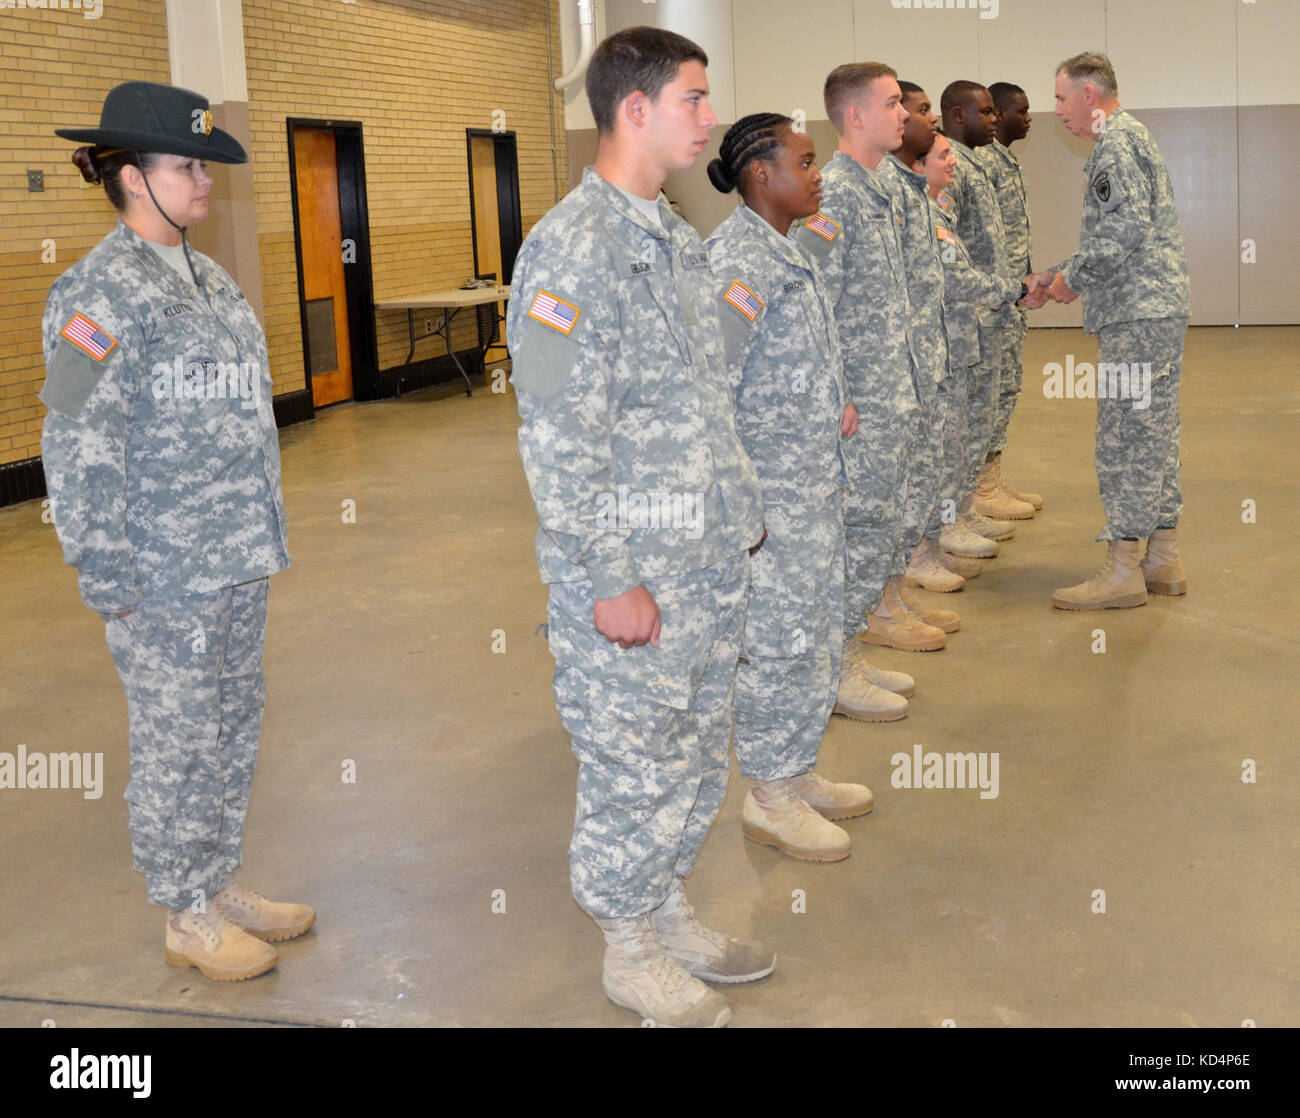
792, 408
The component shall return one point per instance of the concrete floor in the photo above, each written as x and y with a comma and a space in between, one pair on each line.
1119, 771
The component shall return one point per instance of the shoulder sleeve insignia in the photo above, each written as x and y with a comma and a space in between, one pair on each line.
88, 337
944, 233
944, 199
1101, 187
744, 300
554, 311
823, 226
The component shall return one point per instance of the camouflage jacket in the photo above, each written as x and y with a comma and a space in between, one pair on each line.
921, 263
783, 356
160, 449
628, 433
1131, 263
1004, 171
965, 287
856, 240
978, 214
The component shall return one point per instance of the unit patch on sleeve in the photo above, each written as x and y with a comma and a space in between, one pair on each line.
744, 300
554, 311
88, 337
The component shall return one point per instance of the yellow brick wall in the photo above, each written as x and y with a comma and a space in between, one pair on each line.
55, 67
416, 74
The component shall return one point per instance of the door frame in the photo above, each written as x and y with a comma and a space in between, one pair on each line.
358, 280
510, 222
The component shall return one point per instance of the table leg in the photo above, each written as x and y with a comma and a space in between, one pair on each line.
447, 315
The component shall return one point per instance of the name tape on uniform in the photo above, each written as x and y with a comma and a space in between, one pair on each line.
744, 300
88, 337
554, 311
823, 226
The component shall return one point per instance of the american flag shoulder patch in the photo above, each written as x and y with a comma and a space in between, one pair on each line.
823, 226
554, 311
944, 199
88, 337
945, 234
744, 300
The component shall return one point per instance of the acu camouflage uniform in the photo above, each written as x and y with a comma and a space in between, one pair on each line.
978, 218
621, 382
1004, 171
163, 467
856, 239
1131, 271
784, 361
925, 295
966, 291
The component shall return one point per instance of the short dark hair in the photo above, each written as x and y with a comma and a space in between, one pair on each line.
846, 82
909, 87
958, 93
103, 165
1003, 92
638, 58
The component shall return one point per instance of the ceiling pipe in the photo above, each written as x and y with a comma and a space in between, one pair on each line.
587, 27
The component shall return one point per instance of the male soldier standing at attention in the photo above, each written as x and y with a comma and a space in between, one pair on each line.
648, 507
1131, 269
969, 122
918, 557
856, 237
1012, 105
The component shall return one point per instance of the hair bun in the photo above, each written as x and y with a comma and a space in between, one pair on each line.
719, 177
84, 158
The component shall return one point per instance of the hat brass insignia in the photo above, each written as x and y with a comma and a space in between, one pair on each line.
207, 122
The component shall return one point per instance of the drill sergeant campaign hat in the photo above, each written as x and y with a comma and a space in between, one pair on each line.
149, 116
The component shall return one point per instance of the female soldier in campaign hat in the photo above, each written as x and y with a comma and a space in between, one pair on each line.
163, 469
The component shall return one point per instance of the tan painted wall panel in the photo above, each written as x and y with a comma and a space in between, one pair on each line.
1269, 137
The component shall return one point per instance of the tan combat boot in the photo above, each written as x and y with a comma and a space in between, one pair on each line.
1010, 490
219, 949
775, 816
993, 502
987, 527
272, 921
830, 800
958, 538
701, 951
900, 683
1118, 585
1162, 567
640, 975
960, 565
944, 619
925, 570
891, 625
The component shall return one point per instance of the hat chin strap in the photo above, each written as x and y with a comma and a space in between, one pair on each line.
185, 244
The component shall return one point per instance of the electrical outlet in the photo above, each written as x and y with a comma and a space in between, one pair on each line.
35, 180
428, 326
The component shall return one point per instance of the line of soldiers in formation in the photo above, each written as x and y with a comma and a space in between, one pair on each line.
830, 377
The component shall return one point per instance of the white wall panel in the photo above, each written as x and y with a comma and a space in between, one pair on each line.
931, 47
1172, 54
1268, 53
783, 53
1028, 40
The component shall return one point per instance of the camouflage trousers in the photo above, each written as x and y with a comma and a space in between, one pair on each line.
651, 729
1010, 379
192, 671
950, 439
876, 507
790, 658
983, 392
921, 479
1138, 468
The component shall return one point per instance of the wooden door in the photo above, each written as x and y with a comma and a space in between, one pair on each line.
329, 350
487, 216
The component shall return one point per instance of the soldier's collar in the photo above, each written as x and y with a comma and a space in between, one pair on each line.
916, 176
787, 249
861, 170
629, 211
